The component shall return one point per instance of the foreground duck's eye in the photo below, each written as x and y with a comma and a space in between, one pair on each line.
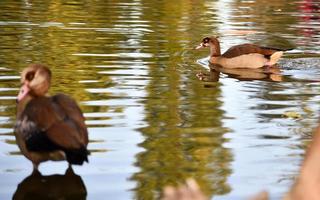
30, 76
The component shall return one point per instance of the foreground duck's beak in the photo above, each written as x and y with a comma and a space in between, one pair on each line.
201, 45
24, 90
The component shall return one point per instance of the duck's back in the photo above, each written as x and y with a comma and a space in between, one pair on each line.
244, 49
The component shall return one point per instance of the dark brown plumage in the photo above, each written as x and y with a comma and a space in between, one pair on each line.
48, 128
243, 49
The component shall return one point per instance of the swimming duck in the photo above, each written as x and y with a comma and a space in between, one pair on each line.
241, 56
48, 127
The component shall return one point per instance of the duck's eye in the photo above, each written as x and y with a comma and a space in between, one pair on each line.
30, 76
206, 40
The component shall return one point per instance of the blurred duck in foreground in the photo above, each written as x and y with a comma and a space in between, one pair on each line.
48, 127
306, 186
241, 56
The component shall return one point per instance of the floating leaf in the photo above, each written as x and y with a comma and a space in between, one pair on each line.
292, 114
307, 110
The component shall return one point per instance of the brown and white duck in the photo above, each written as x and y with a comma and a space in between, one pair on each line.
241, 56
48, 127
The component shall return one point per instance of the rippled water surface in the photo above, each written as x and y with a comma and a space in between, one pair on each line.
132, 67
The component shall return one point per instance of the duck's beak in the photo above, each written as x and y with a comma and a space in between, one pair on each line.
24, 90
201, 45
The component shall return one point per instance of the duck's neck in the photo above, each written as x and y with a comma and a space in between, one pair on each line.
22, 105
215, 49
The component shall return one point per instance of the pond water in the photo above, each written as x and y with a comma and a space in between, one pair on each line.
132, 67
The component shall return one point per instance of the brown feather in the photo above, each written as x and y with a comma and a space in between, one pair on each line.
243, 49
73, 112
65, 134
42, 112
60, 118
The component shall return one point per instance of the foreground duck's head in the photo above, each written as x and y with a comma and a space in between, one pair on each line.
35, 80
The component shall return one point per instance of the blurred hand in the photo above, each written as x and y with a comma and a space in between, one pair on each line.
307, 186
189, 191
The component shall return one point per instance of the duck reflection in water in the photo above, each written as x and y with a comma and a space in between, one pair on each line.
272, 73
36, 186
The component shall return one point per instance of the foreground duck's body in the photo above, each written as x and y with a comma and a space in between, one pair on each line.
48, 128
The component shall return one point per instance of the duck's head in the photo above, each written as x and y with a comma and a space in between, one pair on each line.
208, 41
35, 81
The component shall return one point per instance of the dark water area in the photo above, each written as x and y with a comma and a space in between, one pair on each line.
152, 122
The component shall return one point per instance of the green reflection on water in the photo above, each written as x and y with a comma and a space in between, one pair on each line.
183, 141
112, 55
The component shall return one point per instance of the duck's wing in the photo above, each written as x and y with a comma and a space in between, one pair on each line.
73, 115
243, 49
35, 121
55, 123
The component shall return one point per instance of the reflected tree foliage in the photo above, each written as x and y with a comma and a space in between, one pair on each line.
184, 132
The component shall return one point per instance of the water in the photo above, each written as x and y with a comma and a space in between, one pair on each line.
152, 122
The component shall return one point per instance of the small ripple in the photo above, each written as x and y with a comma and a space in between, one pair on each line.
89, 81
125, 72
9, 77
99, 114
8, 89
6, 131
51, 24
5, 69
8, 98
274, 137
127, 102
120, 55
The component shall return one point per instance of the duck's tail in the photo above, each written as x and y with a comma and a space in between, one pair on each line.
275, 57
77, 156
